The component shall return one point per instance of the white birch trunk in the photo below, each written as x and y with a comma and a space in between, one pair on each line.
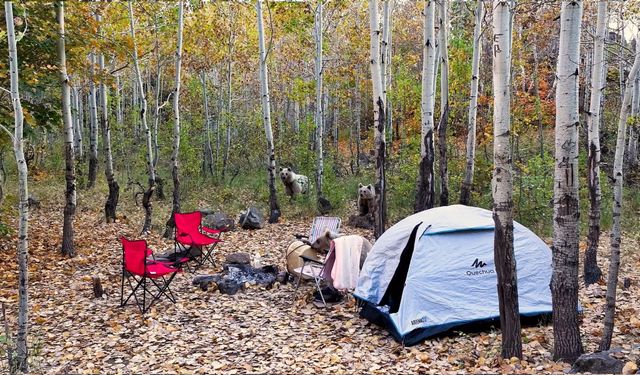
119, 113
146, 199
444, 102
156, 115
93, 124
467, 184
388, 72
23, 196
566, 231
425, 197
274, 209
208, 150
111, 203
176, 127
378, 120
319, 103
229, 116
78, 123
592, 272
616, 230
632, 141
358, 123
68, 248
384, 46
502, 183
296, 116
158, 92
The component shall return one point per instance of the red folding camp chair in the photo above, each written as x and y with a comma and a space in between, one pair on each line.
190, 240
142, 272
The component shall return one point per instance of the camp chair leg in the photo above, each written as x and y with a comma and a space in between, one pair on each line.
316, 279
122, 288
207, 254
133, 290
295, 292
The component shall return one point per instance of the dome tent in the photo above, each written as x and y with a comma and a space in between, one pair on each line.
434, 270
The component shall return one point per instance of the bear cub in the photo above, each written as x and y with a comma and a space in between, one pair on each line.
294, 184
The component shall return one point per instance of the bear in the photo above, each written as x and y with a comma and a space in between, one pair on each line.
323, 244
366, 199
294, 184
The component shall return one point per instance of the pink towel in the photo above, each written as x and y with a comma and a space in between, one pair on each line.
346, 268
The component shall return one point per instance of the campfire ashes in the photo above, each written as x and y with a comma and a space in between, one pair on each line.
235, 276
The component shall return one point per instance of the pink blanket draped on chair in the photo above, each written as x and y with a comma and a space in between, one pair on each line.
343, 262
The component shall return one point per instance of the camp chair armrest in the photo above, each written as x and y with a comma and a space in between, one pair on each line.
307, 258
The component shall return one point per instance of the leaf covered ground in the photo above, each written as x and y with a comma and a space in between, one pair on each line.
256, 331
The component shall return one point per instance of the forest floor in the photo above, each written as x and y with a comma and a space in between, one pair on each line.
256, 331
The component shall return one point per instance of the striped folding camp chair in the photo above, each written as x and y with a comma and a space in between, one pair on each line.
320, 224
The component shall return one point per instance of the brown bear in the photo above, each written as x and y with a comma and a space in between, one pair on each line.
366, 199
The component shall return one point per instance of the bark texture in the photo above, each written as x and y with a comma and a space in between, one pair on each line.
21, 354
444, 103
111, 204
68, 248
319, 120
467, 183
146, 199
502, 183
616, 230
592, 272
176, 129
274, 208
566, 214
93, 124
378, 122
425, 195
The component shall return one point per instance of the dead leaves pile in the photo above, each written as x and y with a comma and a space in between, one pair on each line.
258, 331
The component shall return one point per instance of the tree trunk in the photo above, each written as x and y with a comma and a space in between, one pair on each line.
93, 124
208, 151
70, 175
119, 113
633, 127
78, 124
616, 230
228, 122
385, 62
146, 199
444, 103
274, 209
467, 184
566, 231
319, 104
379, 123
168, 233
158, 95
536, 94
21, 355
425, 196
358, 124
111, 204
503, 183
592, 272
296, 116
389, 72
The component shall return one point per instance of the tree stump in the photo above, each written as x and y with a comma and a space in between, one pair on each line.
97, 287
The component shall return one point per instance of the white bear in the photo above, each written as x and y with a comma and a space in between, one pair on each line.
294, 183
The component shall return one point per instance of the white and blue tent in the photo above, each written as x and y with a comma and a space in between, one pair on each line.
434, 270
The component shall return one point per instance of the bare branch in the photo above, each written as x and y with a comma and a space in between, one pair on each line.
8, 132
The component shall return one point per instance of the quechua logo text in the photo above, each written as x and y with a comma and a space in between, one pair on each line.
479, 265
